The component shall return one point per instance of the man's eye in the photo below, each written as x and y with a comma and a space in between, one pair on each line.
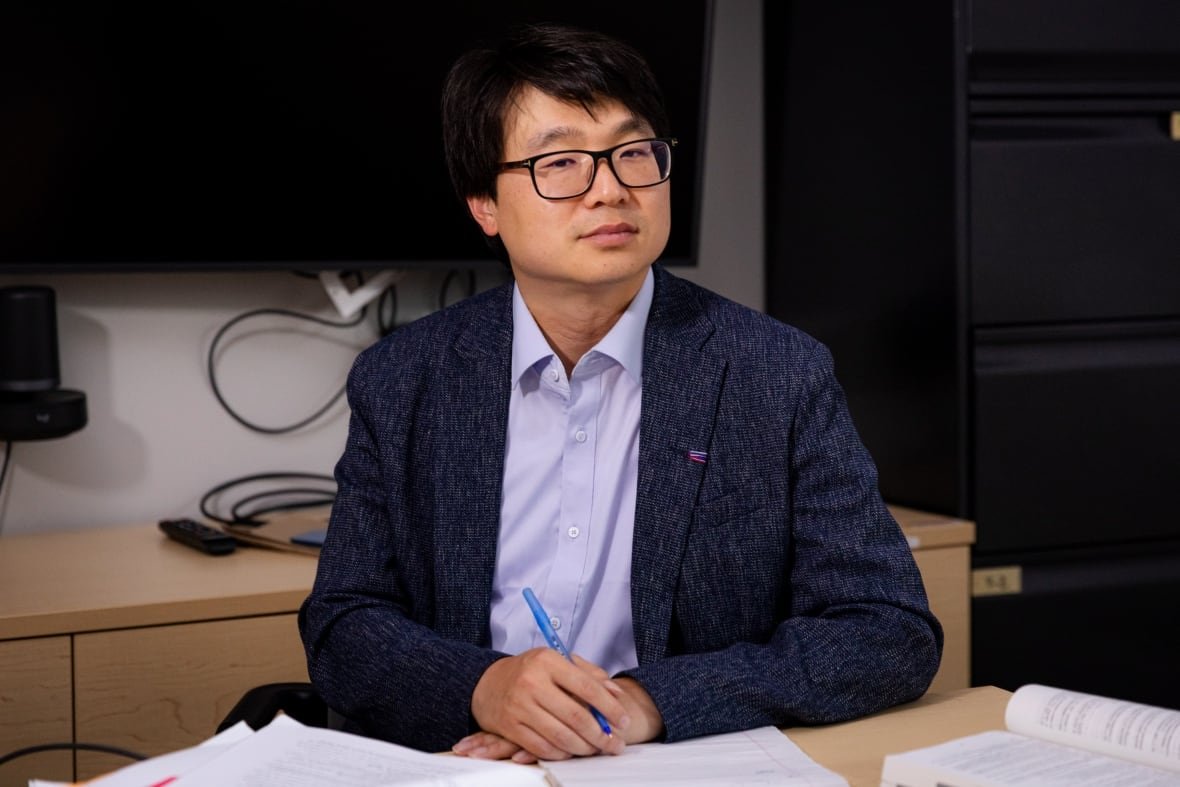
561, 162
635, 153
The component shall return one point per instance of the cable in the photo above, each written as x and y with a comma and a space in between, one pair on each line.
12, 755
4, 467
319, 497
249, 519
282, 313
446, 285
387, 301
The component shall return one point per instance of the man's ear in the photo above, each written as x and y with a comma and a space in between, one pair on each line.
483, 210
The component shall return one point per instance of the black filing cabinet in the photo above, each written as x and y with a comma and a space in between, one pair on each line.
979, 211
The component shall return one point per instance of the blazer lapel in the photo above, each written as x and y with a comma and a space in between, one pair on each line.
681, 387
473, 421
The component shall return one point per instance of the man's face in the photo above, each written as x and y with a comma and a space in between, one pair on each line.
608, 236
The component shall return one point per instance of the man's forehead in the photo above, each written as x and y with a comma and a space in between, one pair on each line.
538, 120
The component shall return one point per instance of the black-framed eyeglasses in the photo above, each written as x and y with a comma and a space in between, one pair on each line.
565, 174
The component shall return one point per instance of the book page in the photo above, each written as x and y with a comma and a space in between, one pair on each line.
1005, 759
287, 754
739, 759
1143, 733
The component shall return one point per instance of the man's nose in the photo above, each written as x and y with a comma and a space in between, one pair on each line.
606, 185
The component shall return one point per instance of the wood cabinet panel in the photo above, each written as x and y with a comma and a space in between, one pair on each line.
946, 573
35, 708
942, 549
154, 690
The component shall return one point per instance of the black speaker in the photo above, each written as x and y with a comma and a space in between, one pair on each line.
32, 407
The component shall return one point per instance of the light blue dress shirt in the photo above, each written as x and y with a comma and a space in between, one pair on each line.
571, 468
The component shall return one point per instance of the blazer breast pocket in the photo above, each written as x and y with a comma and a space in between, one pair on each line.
731, 505
738, 525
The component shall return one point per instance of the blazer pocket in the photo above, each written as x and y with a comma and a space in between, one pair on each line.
732, 505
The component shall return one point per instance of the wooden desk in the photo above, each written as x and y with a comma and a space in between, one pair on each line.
124, 637
856, 749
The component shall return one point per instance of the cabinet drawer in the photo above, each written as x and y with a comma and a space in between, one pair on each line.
154, 690
1075, 26
1077, 435
1105, 607
1074, 219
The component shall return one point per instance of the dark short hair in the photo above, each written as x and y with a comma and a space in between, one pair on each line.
567, 63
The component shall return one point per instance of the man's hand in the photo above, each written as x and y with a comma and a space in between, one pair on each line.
646, 722
639, 721
534, 705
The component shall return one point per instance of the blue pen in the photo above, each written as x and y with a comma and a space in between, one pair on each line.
542, 618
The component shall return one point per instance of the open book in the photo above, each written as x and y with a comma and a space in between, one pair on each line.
1053, 737
287, 754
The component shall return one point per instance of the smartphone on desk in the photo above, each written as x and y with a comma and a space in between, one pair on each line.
311, 538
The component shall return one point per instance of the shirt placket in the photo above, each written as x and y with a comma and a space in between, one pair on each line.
573, 536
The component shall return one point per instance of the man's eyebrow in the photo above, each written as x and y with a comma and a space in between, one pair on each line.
550, 136
563, 134
633, 124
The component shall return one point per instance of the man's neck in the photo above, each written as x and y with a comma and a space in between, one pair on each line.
573, 320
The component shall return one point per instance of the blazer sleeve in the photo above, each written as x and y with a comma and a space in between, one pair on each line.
854, 633
371, 651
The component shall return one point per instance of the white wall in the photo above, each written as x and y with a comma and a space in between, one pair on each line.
136, 345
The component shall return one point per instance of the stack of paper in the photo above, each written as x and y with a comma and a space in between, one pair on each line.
285, 753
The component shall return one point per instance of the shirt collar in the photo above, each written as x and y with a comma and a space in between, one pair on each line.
623, 343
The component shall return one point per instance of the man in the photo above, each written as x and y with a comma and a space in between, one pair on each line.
676, 476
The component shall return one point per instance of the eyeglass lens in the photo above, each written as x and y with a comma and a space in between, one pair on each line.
568, 174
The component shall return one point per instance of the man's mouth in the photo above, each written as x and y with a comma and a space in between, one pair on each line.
612, 232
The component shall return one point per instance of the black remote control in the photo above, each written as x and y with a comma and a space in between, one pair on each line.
199, 536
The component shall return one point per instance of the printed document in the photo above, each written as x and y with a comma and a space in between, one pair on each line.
763, 756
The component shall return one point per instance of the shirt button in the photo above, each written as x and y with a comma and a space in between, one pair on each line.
574, 532
580, 436
552, 375
555, 622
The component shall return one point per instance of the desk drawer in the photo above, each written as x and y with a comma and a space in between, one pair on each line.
37, 707
157, 689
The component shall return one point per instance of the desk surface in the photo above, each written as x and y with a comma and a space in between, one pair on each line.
121, 577
856, 749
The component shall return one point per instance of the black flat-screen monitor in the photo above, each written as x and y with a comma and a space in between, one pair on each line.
222, 135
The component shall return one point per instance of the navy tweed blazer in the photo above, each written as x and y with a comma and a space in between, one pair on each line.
769, 585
